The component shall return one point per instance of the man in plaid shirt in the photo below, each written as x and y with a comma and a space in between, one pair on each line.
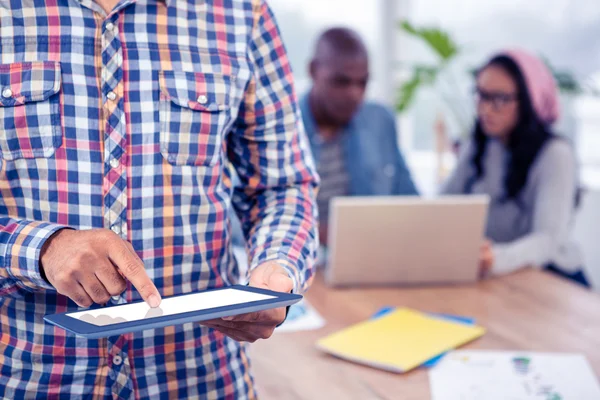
119, 120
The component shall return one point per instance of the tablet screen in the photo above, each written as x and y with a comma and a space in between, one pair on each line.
168, 306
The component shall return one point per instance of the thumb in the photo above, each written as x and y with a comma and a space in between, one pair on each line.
280, 281
272, 276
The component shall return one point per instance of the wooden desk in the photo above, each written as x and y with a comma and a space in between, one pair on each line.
529, 310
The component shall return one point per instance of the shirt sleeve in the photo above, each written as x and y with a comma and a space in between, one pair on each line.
555, 178
276, 198
20, 244
456, 182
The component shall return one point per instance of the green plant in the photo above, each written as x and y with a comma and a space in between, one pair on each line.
446, 80
442, 45
446, 51
568, 84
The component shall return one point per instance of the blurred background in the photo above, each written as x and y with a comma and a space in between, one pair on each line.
565, 34
423, 54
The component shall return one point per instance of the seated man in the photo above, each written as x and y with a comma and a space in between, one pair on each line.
354, 142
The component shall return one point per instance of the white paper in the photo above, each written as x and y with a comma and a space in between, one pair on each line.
483, 375
301, 317
168, 306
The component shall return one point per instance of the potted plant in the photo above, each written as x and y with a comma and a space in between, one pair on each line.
445, 76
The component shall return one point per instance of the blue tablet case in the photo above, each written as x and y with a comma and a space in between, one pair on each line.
92, 331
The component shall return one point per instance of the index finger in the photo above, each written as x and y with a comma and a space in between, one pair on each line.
132, 268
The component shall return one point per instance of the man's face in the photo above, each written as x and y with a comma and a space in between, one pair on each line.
339, 85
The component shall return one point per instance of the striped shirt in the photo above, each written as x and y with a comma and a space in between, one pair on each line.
129, 121
332, 171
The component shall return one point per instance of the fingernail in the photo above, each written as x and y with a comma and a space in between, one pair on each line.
230, 318
154, 301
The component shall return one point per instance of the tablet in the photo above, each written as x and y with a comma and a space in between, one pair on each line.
194, 307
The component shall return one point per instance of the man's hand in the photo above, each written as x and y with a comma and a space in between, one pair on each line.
91, 266
257, 325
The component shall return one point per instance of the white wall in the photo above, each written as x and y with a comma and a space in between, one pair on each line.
587, 234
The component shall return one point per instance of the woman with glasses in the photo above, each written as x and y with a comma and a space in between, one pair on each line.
529, 173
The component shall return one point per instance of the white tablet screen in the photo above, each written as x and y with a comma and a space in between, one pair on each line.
168, 306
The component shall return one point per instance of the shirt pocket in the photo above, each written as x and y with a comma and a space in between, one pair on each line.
194, 113
30, 123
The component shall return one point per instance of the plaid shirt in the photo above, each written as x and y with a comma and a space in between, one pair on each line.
132, 121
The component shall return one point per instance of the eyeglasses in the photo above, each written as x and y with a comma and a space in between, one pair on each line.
498, 100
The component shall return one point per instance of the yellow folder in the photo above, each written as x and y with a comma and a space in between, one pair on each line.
398, 341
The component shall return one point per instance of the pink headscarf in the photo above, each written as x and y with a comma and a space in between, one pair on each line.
540, 82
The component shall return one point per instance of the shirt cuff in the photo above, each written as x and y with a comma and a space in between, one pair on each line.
22, 258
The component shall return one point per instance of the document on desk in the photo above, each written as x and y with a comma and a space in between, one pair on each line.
398, 341
487, 375
302, 317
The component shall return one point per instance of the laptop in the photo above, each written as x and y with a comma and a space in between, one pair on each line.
405, 240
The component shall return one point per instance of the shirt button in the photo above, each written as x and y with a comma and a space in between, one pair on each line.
389, 170
117, 360
116, 229
45, 130
114, 163
110, 26
202, 99
7, 93
111, 96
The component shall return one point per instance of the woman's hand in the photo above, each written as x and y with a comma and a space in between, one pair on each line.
486, 259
